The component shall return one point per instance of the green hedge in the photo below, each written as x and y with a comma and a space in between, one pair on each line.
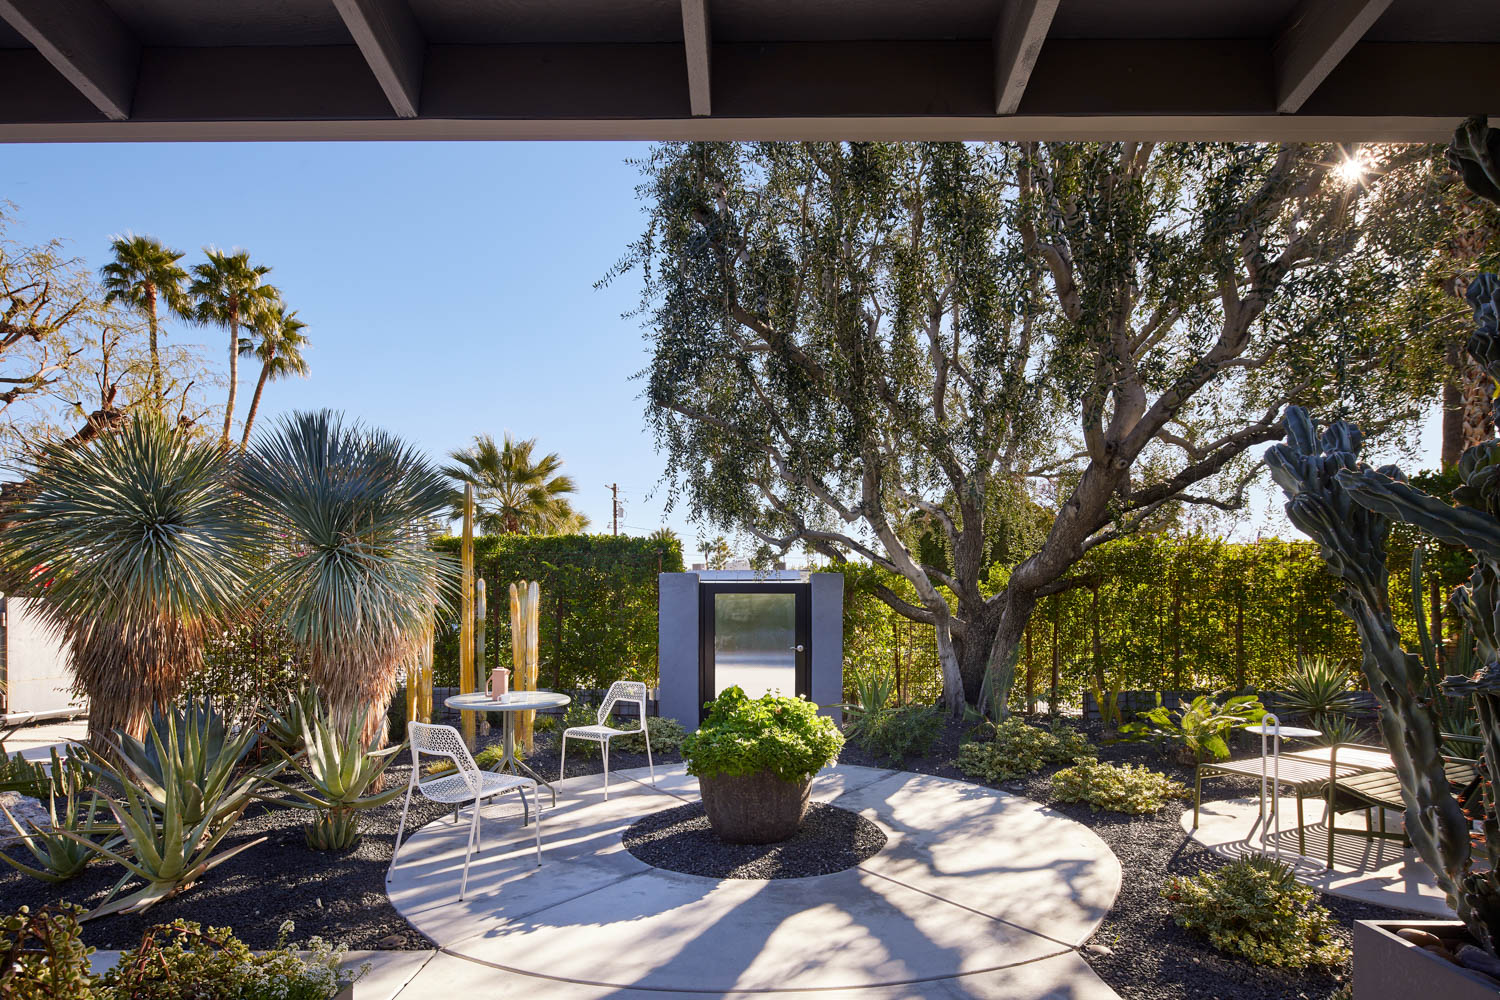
598, 617
1170, 612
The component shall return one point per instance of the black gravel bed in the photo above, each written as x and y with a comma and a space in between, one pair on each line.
680, 840
339, 896
1138, 950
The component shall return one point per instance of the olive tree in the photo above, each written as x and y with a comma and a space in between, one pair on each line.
852, 340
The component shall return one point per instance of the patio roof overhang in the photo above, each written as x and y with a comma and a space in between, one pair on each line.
97, 70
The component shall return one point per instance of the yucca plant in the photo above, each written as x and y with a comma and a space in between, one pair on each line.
1318, 688
191, 748
59, 857
339, 767
354, 573
131, 545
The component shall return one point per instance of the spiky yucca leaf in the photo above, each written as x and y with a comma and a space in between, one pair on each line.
132, 544
354, 570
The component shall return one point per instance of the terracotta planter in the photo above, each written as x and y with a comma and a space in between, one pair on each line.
1389, 966
755, 808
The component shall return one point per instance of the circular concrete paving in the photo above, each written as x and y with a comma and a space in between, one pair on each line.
976, 893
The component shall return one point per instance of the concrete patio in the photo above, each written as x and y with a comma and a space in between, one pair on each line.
1383, 872
976, 894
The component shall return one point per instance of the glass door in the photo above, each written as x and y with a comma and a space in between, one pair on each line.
754, 636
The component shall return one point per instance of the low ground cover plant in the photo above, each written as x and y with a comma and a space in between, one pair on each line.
1124, 788
1017, 748
785, 736
43, 957
1256, 909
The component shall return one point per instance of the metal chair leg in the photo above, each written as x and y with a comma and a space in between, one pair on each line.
606, 769
1197, 795
463, 884
562, 765
647, 730
1301, 836
400, 829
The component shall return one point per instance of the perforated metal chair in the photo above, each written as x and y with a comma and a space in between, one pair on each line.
629, 692
467, 784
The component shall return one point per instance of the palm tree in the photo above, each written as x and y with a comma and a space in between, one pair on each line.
353, 571
227, 291
134, 546
513, 493
143, 272
278, 343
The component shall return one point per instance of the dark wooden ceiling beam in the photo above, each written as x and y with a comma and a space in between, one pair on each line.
697, 40
1319, 36
391, 41
87, 43
1019, 34
1079, 89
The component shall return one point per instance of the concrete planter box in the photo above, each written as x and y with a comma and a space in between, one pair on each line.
1388, 967
755, 808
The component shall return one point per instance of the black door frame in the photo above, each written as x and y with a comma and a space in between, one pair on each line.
803, 611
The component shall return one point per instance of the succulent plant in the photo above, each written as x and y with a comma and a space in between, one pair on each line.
340, 773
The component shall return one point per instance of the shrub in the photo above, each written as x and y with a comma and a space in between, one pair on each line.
183, 961
1017, 749
1255, 909
63, 847
895, 733
785, 736
667, 735
579, 713
50, 960
1127, 788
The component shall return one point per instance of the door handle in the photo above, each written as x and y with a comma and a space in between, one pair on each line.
797, 647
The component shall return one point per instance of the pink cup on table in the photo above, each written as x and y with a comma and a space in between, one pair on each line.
499, 683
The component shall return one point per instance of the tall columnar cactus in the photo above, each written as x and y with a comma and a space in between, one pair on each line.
525, 629
1330, 493
1346, 507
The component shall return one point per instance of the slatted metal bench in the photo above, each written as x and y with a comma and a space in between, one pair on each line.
1377, 787
1302, 777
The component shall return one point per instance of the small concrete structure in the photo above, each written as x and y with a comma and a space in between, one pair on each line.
1383, 872
976, 894
36, 682
686, 654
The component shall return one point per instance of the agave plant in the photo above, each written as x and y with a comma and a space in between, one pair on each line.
58, 856
177, 797
1318, 689
157, 847
283, 723
192, 749
354, 572
132, 545
339, 768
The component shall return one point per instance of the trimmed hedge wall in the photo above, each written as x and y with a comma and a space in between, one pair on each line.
598, 617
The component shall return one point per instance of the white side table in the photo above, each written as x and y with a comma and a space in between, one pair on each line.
1270, 728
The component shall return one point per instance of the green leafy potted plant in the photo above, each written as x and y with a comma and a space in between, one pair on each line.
755, 760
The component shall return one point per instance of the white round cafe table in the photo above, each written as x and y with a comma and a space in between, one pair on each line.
509, 704
1271, 728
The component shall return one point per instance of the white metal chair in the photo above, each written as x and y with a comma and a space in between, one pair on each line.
467, 784
620, 691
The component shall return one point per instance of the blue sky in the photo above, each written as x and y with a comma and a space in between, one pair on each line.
448, 287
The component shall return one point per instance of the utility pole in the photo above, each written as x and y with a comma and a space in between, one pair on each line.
614, 507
